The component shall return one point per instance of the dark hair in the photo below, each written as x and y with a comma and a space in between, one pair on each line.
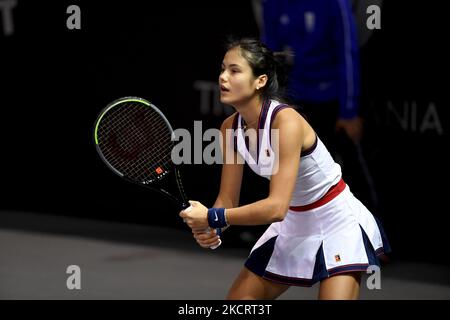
263, 60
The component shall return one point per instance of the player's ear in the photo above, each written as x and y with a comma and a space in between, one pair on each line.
260, 81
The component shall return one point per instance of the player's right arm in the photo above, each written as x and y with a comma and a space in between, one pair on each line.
230, 182
232, 169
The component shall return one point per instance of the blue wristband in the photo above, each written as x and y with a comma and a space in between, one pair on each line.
217, 218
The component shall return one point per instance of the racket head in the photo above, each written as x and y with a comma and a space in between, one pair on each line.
135, 140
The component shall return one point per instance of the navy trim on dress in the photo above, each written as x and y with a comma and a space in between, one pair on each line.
310, 149
261, 124
258, 260
274, 113
261, 121
234, 127
386, 245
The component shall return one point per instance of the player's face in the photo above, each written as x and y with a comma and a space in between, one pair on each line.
237, 82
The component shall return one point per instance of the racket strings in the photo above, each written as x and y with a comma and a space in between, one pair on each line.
136, 140
139, 145
133, 167
121, 130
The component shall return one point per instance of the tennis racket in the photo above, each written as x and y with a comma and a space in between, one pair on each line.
135, 140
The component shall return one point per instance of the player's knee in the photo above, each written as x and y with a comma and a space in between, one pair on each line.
340, 287
238, 295
245, 290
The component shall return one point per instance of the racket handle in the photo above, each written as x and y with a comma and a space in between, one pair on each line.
208, 230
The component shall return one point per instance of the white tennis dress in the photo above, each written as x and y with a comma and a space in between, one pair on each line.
326, 231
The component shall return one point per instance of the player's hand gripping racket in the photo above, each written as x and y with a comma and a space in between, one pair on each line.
135, 140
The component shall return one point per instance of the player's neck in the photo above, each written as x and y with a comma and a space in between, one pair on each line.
250, 111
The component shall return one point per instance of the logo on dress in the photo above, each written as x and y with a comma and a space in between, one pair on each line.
337, 258
267, 152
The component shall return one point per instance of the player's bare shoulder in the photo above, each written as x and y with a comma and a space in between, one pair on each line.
293, 127
288, 117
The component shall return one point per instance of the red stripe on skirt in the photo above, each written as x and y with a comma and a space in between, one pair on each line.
332, 193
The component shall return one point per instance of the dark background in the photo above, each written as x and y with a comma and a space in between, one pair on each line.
54, 82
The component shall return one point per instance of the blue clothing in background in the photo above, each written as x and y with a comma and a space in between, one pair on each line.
322, 35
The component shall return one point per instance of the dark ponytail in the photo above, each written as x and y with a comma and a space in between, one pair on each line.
263, 60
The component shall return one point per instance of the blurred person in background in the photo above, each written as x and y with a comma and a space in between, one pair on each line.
324, 81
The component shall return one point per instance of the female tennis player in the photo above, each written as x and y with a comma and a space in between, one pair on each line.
318, 230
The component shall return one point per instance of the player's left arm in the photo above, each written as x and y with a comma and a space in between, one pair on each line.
274, 207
